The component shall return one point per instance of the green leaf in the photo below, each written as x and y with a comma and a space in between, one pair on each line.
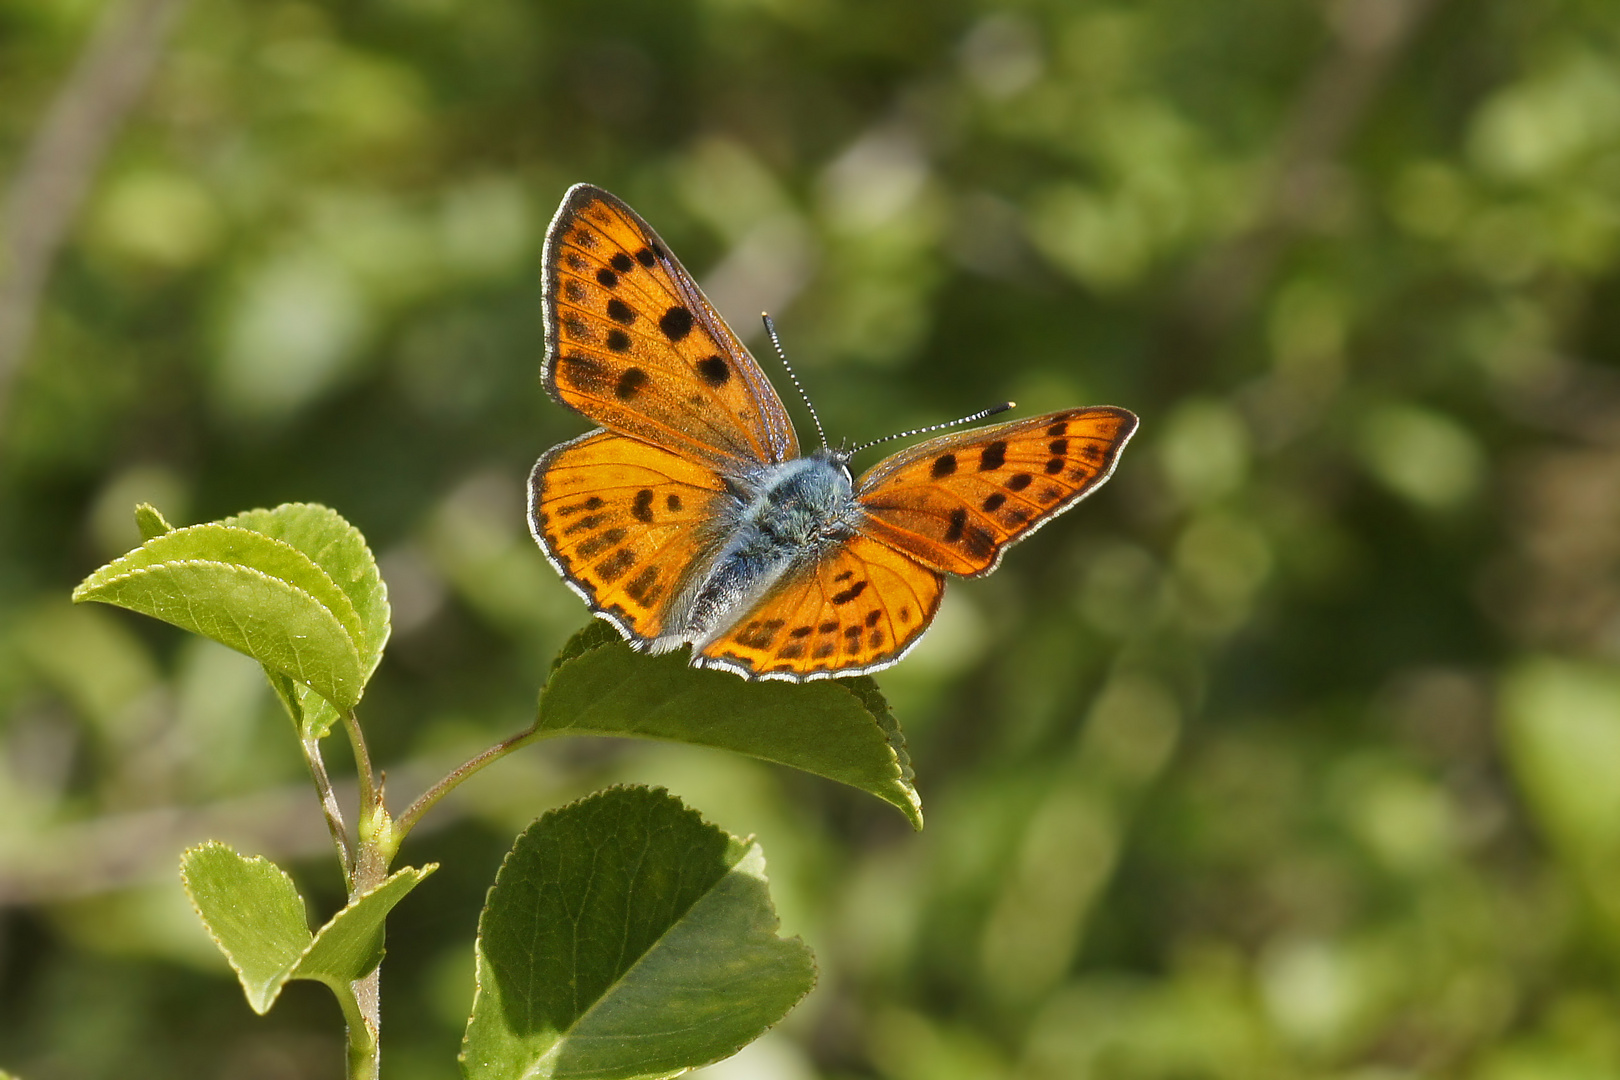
246, 590
151, 523
625, 937
253, 912
351, 943
337, 548
841, 729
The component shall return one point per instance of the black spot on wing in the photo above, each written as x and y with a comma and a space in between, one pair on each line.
607, 278
601, 542
1054, 466
630, 384
584, 373
673, 502
993, 456
714, 370
676, 323
828, 627
618, 340
979, 542
620, 312
958, 521
800, 632
646, 258
944, 465
643, 588
872, 617
1058, 446
593, 503
993, 501
641, 509
1019, 481
613, 567
841, 598
621, 262
588, 523
760, 633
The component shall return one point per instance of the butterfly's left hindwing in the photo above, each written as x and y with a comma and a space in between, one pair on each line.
955, 503
624, 522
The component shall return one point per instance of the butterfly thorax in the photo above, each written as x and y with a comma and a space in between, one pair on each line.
784, 515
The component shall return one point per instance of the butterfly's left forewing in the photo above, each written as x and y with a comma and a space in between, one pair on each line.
955, 503
632, 343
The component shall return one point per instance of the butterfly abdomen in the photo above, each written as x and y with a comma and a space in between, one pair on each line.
795, 512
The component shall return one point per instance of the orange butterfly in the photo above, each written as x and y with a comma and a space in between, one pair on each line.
689, 517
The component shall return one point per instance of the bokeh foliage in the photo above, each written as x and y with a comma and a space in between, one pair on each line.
1289, 754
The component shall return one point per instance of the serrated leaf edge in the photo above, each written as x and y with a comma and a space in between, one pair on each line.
242, 568
273, 991
290, 971
352, 529
352, 627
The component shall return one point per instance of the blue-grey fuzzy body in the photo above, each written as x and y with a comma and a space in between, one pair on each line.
781, 519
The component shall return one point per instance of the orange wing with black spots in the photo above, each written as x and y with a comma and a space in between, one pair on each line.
624, 522
957, 502
860, 608
633, 343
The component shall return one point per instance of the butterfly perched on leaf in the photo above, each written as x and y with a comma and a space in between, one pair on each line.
689, 517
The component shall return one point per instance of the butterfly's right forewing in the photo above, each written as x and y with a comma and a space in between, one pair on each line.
633, 344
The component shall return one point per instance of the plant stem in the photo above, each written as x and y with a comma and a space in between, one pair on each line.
362, 768
329, 806
413, 814
376, 841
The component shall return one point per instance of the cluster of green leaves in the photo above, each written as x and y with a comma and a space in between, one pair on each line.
624, 936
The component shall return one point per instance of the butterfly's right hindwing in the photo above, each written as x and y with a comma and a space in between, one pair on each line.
625, 523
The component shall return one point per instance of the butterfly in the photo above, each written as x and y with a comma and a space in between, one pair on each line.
689, 516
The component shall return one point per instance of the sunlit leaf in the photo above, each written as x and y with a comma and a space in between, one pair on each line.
337, 548
255, 915
840, 729
246, 590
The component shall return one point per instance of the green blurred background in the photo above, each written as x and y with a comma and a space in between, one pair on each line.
1293, 753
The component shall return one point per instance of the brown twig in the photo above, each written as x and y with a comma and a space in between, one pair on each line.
61, 162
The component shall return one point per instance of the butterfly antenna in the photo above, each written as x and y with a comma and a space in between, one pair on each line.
770, 328
980, 415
